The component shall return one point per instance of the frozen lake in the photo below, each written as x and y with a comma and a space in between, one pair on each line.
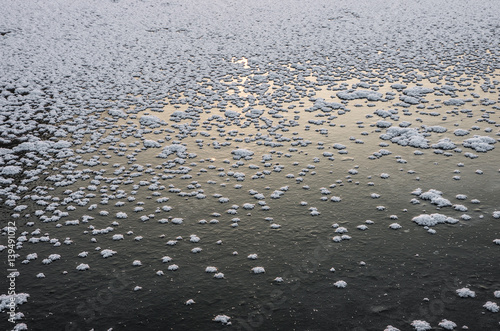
185, 165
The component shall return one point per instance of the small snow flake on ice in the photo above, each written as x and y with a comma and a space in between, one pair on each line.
20, 326
249, 206
433, 219
465, 293
480, 143
107, 253
10, 170
7, 300
341, 230
337, 239
242, 153
177, 220
420, 325
492, 306
224, 319
435, 198
82, 267
340, 284
314, 211
447, 324
54, 257
121, 215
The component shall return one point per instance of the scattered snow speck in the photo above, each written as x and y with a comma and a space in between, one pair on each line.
121, 215
224, 319
492, 306
10, 170
16, 299
421, 325
433, 219
340, 284
447, 324
107, 253
82, 267
465, 293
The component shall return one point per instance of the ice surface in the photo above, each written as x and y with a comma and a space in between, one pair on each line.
109, 110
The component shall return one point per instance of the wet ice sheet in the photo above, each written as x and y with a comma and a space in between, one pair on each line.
262, 165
